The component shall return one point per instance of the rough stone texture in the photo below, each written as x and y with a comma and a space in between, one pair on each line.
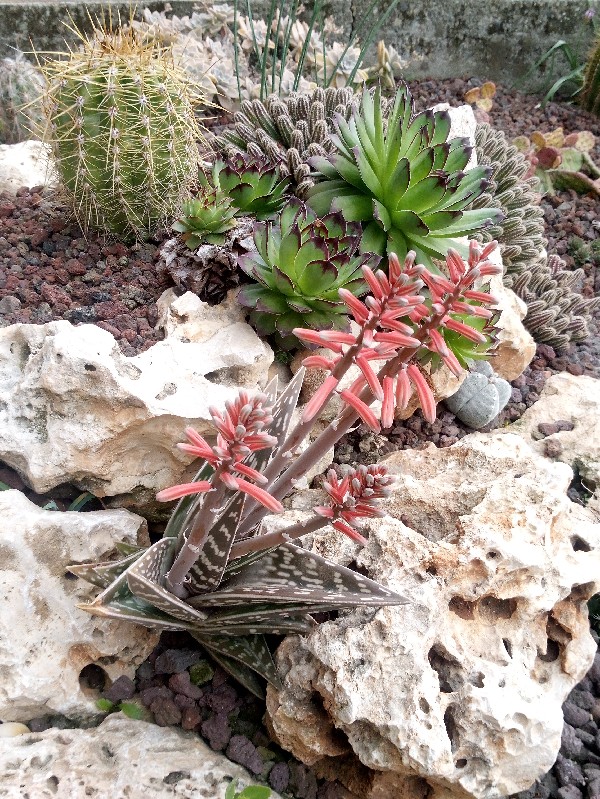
120, 758
567, 398
45, 640
461, 690
516, 346
23, 164
498, 40
74, 409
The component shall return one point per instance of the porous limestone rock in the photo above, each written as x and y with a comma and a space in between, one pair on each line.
24, 164
45, 640
516, 347
575, 400
74, 409
120, 758
459, 693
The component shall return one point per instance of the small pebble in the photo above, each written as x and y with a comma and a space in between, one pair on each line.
10, 729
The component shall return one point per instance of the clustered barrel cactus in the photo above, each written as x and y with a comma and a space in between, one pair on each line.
402, 178
215, 573
300, 264
123, 132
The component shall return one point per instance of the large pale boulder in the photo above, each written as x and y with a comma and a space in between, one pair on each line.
459, 693
575, 400
46, 642
120, 758
516, 347
74, 409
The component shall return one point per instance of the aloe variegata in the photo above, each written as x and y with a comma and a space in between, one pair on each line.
215, 573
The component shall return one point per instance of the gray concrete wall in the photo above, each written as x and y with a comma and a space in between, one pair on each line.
490, 39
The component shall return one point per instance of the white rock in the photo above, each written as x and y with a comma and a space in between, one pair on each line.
74, 409
462, 125
10, 729
461, 690
120, 758
569, 399
24, 164
45, 640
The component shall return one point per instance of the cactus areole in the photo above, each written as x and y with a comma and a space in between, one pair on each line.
123, 133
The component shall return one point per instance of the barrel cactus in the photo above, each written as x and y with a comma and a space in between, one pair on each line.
123, 132
590, 93
21, 89
481, 397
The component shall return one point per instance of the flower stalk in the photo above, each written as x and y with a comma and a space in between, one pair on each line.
397, 325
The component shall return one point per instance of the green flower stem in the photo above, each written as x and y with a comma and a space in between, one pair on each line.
258, 543
188, 554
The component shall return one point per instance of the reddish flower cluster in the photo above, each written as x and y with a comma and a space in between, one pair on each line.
240, 432
355, 497
383, 336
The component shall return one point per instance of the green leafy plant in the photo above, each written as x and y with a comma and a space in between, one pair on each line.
300, 265
400, 176
250, 792
254, 185
336, 65
216, 573
207, 217
590, 91
570, 82
561, 162
288, 131
130, 709
123, 132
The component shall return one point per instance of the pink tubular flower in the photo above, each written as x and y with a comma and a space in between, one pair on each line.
355, 497
240, 432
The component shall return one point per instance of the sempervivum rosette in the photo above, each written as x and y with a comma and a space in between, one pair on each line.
300, 264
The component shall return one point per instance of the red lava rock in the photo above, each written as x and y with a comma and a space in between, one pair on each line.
217, 731
190, 718
55, 295
165, 711
148, 696
223, 699
122, 689
173, 661
243, 751
6, 210
181, 684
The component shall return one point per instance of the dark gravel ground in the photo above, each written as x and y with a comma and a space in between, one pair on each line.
48, 271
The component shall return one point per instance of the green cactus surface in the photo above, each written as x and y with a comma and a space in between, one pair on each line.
590, 93
123, 133
300, 264
403, 178
21, 90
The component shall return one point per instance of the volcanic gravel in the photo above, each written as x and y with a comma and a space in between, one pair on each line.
49, 270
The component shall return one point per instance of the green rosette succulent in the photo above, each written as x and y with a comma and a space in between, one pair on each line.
206, 218
300, 263
254, 185
401, 177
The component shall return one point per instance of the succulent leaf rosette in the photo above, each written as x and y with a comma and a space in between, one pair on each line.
402, 178
300, 264
206, 218
254, 185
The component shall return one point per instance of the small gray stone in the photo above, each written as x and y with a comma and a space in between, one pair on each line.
9, 304
568, 772
569, 792
571, 747
574, 715
583, 699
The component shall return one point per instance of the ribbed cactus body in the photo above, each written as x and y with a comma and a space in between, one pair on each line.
123, 133
21, 89
590, 94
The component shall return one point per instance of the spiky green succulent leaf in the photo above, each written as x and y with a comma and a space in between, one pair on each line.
299, 265
402, 178
254, 185
206, 218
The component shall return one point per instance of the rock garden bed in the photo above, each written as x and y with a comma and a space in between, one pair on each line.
451, 679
